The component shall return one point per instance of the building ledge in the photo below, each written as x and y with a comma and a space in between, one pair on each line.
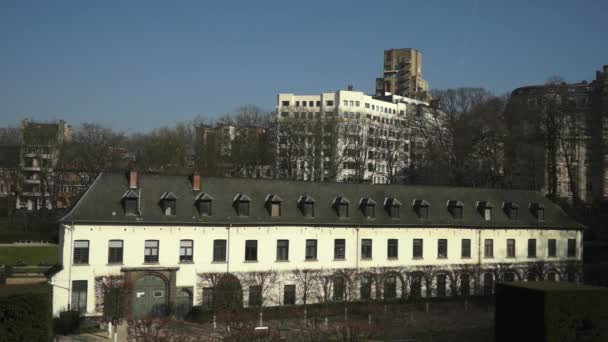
148, 268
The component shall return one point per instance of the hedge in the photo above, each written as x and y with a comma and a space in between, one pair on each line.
26, 313
546, 311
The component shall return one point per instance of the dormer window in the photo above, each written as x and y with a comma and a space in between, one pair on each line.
392, 205
485, 209
511, 209
307, 206
241, 204
421, 207
273, 205
130, 202
368, 207
203, 204
538, 210
455, 208
341, 206
168, 203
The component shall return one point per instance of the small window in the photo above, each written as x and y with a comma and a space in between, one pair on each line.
273, 204
465, 248
339, 249
538, 211
130, 201
392, 205
442, 248
455, 208
571, 248
531, 248
511, 210
185, 250
392, 249
311, 249
510, 248
421, 207
282, 250
151, 251
306, 204
158, 294
329, 103
417, 249
251, 250
488, 248
552, 248
115, 251
168, 203
285, 103
368, 208
81, 252
289, 295
241, 204
203, 203
366, 248
219, 250
341, 207
485, 209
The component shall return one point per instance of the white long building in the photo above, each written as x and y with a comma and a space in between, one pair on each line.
373, 145
171, 237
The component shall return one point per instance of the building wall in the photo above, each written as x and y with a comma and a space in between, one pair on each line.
169, 238
355, 108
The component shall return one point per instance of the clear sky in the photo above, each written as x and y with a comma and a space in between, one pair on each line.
136, 65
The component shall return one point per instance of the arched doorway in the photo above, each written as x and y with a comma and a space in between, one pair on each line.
150, 296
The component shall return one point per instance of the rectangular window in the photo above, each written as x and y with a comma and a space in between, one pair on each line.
366, 288
510, 248
339, 249
311, 249
255, 295
393, 248
251, 250
289, 295
207, 302
442, 248
285, 103
531, 248
329, 103
417, 249
275, 209
571, 248
219, 250
151, 251
115, 251
465, 248
81, 252
204, 208
339, 288
185, 250
366, 248
79, 296
552, 248
488, 248
282, 250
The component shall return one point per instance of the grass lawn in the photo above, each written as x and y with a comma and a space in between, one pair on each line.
32, 255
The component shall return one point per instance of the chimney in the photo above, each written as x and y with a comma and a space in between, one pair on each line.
196, 182
133, 179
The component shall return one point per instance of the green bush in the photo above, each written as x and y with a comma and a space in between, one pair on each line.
548, 311
9, 271
67, 323
26, 313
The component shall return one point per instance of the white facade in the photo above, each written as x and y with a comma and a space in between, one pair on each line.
187, 273
384, 120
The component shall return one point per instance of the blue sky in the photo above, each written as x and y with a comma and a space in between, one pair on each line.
136, 65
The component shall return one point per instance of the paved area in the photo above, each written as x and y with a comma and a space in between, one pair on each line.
100, 336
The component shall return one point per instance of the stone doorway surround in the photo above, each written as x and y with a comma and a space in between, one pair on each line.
132, 274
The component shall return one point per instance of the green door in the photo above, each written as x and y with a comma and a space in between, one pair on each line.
183, 302
150, 297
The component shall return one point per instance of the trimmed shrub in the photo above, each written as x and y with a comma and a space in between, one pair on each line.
547, 311
26, 313
67, 323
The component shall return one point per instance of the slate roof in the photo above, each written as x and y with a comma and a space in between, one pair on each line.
102, 203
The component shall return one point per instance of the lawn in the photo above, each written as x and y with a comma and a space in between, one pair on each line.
32, 255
